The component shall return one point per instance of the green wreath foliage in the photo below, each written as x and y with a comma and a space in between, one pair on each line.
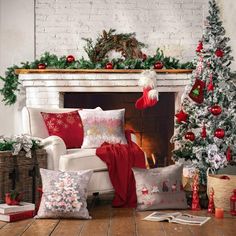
131, 60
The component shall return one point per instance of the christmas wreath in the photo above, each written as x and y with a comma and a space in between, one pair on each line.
126, 44
131, 58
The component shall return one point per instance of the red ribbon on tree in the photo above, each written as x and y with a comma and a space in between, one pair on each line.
228, 154
210, 86
203, 133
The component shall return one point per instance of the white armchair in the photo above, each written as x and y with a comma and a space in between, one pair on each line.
60, 158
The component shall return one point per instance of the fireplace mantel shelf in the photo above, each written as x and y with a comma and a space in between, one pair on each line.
84, 71
46, 87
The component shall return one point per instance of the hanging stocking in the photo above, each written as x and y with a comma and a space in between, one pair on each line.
196, 93
149, 99
150, 94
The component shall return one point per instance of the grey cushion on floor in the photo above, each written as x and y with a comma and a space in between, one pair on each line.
160, 188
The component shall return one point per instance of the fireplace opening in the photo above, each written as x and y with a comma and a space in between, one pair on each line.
153, 126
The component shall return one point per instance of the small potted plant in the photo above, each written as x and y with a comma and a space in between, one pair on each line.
13, 197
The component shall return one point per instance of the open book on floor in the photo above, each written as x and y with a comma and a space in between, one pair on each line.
177, 217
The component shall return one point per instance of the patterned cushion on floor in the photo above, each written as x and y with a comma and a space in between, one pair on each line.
64, 194
160, 188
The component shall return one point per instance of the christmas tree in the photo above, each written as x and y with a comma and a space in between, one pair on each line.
205, 125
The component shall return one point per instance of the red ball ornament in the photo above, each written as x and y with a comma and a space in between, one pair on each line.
219, 133
41, 66
158, 65
144, 56
70, 59
109, 66
219, 53
181, 116
190, 136
216, 110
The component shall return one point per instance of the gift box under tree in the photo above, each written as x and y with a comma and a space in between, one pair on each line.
19, 167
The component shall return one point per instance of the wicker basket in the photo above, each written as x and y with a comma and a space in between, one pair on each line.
21, 173
223, 189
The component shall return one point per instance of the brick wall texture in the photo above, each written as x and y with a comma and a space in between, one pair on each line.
173, 25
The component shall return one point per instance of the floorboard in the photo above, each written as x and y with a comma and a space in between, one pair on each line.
41, 227
16, 228
108, 221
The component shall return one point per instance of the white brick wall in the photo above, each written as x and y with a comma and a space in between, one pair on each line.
173, 25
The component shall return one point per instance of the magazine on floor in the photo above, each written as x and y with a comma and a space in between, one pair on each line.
177, 217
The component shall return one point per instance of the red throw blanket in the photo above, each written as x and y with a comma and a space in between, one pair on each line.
120, 158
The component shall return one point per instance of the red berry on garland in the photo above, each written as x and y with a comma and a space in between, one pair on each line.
203, 133
41, 66
228, 154
109, 66
219, 53
144, 56
216, 110
219, 133
199, 47
181, 116
158, 65
70, 59
190, 136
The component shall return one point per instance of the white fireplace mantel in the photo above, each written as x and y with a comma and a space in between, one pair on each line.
46, 87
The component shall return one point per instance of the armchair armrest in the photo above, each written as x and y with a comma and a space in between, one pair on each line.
55, 147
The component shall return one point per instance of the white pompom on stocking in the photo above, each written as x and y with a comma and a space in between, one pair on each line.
150, 94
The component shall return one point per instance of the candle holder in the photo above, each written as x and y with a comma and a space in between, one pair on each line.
219, 213
233, 203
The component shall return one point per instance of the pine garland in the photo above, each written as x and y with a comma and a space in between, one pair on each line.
124, 43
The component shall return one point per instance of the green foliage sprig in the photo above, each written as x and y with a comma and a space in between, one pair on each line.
11, 82
7, 144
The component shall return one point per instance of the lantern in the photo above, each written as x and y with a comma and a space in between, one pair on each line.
233, 203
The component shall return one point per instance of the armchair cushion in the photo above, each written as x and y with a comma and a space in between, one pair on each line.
103, 126
68, 126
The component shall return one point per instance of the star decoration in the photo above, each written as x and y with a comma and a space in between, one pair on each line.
181, 116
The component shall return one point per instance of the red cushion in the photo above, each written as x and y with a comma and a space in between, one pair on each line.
68, 126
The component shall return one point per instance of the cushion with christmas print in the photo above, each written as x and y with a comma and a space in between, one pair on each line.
103, 126
64, 194
160, 188
67, 125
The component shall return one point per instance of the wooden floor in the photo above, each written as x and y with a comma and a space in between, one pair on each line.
116, 221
